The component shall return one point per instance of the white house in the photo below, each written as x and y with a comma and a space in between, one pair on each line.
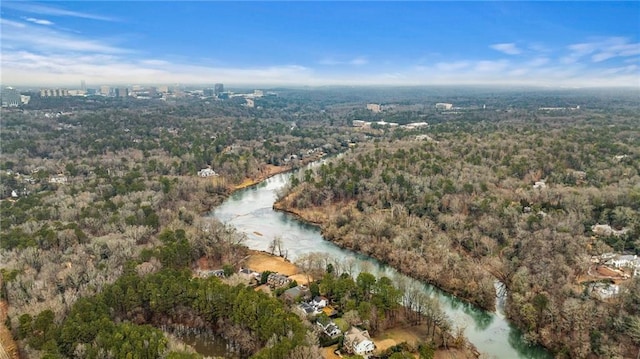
207, 172
358, 342
59, 179
625, 261
605, 290
329, 328
539, 185
319, 302
204, 273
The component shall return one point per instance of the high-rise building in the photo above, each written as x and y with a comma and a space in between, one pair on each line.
105, 90
83, 86
10, 97
54, 92
122, 92
218, 89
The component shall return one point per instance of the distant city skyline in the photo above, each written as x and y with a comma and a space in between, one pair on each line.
554, 44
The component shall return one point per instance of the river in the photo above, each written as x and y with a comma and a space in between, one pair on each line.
250, 211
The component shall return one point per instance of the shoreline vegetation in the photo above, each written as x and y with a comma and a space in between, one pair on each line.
272, 170
319, 217
465, 208
102, 193
413, 335
259, 260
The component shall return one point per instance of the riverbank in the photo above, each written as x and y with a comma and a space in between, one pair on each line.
251, 211
315, 216
321, 217
272, 170
269, 171
261, 261
413, 335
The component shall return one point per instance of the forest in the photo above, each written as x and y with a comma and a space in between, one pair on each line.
116, 322
88, 187
465, 206
101, 209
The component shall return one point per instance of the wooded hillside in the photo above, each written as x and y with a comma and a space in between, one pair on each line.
513, 199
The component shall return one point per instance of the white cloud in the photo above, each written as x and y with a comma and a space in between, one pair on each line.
623, 70
42, 56
52, 11
36, 69
452, 66
356, 61
29, 68
45, 39
538, 61
632, 60
39, 21
491, 66
328, 61
539, 48
602, 49
10, 24
602, 56
154, 62
507, 48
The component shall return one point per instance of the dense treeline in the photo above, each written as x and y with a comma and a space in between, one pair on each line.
378, 304
122, 320
127, 173
176, 140
460, 208
115, 323
87, 185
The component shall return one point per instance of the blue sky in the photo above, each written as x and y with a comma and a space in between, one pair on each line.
558, 44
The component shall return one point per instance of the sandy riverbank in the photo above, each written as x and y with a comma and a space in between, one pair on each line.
269, 171
272, 170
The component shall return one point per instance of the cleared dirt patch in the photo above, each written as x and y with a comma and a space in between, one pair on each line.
260, 262
454, 354
608, 272
300, 278
8, 347
414, 335
390, 337
328, 352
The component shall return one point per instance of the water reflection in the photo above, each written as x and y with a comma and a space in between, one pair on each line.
489, 332
481, 318
515, 339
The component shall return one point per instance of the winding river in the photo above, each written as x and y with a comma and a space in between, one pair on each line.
250, 211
